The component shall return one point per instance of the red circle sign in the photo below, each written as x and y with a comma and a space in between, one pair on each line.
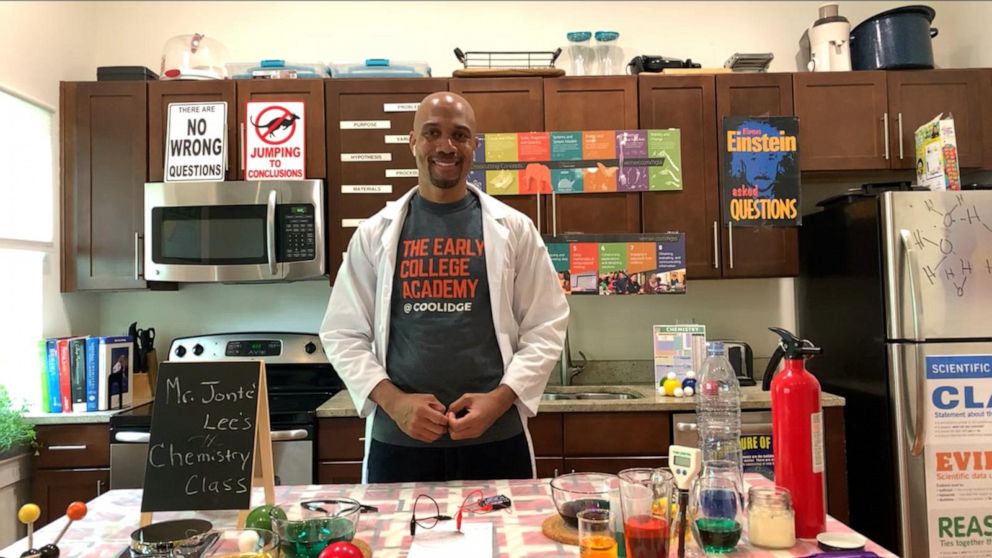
264, 129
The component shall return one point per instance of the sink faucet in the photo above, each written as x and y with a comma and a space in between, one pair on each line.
568, 370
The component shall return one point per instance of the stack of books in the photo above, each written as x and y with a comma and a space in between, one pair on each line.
83, 374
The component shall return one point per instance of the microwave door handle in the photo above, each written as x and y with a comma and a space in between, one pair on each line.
270, 229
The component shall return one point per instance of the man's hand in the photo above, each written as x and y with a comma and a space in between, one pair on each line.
419, 415
473, 413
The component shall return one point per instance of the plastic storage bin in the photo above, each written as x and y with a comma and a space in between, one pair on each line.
380, 68
276, 69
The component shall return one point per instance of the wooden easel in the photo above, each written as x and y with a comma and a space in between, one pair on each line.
263, 470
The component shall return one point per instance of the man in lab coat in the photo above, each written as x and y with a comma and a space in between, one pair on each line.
446, 319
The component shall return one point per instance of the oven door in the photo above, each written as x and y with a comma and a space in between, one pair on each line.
292, 457
234, 231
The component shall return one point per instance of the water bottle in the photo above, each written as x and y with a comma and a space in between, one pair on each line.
718, 408
609, 54
581, 56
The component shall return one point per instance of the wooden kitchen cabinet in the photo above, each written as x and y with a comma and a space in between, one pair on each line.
509, 105
368, 116
103, 169
755, 251
916, 97
54, 490
586, 104
340, 450
687, 103
311, 92
162, 93
72, 463
842, 117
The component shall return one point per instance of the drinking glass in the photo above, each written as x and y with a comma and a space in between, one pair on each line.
717, 514
306, 531
730, 471
596, 538
245, 543
645, 498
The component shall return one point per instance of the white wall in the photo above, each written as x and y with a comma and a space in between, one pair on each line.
44, 43
126, 33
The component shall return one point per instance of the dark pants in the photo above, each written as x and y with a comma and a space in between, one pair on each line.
508, 459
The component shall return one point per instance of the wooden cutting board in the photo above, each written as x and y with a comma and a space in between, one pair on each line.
508, 72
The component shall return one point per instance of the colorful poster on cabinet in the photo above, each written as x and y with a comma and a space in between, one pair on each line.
578, 162
619, 264
958, 451
760, 174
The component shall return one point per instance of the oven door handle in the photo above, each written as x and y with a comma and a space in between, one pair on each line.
132, 437
285, 435
270, 230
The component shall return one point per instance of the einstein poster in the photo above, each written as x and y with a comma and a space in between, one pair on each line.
760, 174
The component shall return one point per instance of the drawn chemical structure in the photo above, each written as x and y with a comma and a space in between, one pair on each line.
953, 274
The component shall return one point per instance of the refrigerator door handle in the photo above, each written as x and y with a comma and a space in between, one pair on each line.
911, 266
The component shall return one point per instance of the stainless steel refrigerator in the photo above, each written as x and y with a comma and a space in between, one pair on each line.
891, 286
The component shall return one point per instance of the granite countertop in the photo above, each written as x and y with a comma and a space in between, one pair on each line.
93, 417
752, 399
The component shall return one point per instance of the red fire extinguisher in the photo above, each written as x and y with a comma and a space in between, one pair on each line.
797, 432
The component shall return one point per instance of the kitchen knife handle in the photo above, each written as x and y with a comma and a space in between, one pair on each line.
899, 121
270, 230
885, 131
917, 433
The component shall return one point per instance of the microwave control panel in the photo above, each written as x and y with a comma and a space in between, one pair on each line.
296, 236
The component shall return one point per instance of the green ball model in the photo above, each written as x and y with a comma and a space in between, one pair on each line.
261, 517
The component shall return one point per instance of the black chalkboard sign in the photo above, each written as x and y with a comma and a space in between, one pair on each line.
205, 422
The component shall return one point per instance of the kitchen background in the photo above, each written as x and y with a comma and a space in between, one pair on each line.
44, 43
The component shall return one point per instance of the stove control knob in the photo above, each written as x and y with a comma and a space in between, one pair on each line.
197, 349
180, 351
310, 348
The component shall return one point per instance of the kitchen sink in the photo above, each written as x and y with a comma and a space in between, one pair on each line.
589, 395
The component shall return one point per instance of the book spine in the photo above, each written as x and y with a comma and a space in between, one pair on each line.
65, 376
55, 399
92, 373
46, 401
77, 369
103, 376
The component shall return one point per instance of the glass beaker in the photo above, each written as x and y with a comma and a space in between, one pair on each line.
729, 470
717, 514
596, 538
646, 498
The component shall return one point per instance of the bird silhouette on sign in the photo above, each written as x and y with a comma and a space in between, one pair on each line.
276, 124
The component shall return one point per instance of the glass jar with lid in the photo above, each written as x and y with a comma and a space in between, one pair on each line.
771, 517
580, 55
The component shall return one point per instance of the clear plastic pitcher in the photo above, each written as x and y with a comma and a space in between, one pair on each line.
609, 54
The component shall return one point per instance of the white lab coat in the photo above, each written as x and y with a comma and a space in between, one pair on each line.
530, 311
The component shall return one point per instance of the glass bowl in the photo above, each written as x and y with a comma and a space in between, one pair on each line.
307, 530
575, 492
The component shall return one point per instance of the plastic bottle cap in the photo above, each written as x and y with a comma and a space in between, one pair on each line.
579, 36
605, 36
840, 541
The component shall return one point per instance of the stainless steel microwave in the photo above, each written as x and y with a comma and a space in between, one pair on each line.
234, 231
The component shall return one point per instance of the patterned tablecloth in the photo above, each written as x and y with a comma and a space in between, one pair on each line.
114, 515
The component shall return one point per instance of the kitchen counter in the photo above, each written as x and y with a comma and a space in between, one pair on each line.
752, 399
112, 517
94, 417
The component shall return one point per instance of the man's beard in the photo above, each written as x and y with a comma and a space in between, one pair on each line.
444, 183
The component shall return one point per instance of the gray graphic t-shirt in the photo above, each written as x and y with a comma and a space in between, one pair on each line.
441, 334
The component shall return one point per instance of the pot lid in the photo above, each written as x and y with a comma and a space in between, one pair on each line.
925, 11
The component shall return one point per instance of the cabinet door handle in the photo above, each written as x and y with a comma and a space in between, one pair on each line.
686, 426
716, 245
67, 448
138, 264
899, 121
537, 211
730, 237
885, 131
554, 214
99, 487
556, 471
